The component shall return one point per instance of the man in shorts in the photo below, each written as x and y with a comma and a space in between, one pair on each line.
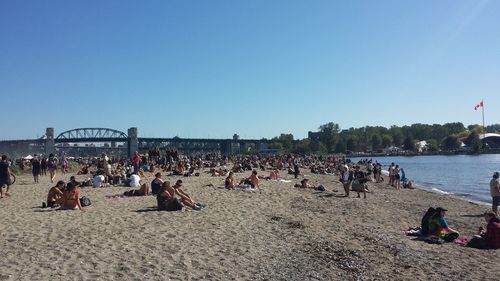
4, 176
495, 192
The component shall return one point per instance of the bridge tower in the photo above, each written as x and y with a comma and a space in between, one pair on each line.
133, 141
50, 146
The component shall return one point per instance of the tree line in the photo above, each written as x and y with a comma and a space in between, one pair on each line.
330, 139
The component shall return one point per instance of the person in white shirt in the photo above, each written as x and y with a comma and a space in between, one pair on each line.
135, 180
98, 181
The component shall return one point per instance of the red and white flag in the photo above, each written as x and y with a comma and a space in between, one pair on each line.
478, 105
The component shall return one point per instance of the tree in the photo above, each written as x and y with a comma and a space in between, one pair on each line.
317, 146
450, 143
386, 141
329, 132
475, 143
303, 146
397, 136
286, 141
409, 143
376, 142
351, 144
341, 146
277, 145
432, 145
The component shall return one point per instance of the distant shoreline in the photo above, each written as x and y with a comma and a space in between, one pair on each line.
441, 153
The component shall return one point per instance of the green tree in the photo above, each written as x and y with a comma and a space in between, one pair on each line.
303, 146
328, 137
376, 142
352, 144
317, 146
277, 145
386, 141
451, 143
341, 146
409, 143
432, 145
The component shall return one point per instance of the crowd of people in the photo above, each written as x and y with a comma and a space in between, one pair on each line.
104, 171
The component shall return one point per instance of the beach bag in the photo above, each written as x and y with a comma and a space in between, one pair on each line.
450, 237
85, 201
320, 188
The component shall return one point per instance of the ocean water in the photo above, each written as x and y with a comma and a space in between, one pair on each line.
466, 176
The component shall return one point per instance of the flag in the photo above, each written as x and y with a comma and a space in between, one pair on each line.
478, 105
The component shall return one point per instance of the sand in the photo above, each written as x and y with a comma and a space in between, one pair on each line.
283, 233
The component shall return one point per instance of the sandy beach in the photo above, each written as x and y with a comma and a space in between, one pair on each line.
283, 233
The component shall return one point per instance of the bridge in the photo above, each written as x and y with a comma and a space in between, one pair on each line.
131, 142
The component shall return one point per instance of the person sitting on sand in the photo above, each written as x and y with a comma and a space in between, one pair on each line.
166, 198
99, 180
489, 239
143, 191
185, 198
71, 198
229, 182
134, 180
73, 181
438, 226
83, 171
54, 196
275, 175
156, 184
252, 180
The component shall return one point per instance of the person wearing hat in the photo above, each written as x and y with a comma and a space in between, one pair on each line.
495, 192
489, 239
438, 226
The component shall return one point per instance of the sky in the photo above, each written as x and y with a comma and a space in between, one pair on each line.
210, 69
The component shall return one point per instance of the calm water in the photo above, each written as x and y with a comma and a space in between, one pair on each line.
461, 175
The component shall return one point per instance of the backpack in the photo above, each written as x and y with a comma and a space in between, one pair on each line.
424, 224
85, 201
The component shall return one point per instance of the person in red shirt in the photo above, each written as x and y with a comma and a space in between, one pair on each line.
489, 239
136, 162
71, 198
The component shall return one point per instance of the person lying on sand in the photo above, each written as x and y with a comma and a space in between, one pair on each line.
304, 184
143, 191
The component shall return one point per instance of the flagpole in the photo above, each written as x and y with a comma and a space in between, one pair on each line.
484, 129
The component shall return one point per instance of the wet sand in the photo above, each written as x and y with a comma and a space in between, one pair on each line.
283, 233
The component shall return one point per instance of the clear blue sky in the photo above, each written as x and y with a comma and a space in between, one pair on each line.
257, 68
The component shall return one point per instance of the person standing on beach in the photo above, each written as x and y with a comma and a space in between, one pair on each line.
296, 169
495, 192
136, 162
52, 165
391, 174
43, 166
345, 178
4, 176
36, 168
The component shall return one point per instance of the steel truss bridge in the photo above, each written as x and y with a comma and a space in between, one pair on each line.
49, 143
